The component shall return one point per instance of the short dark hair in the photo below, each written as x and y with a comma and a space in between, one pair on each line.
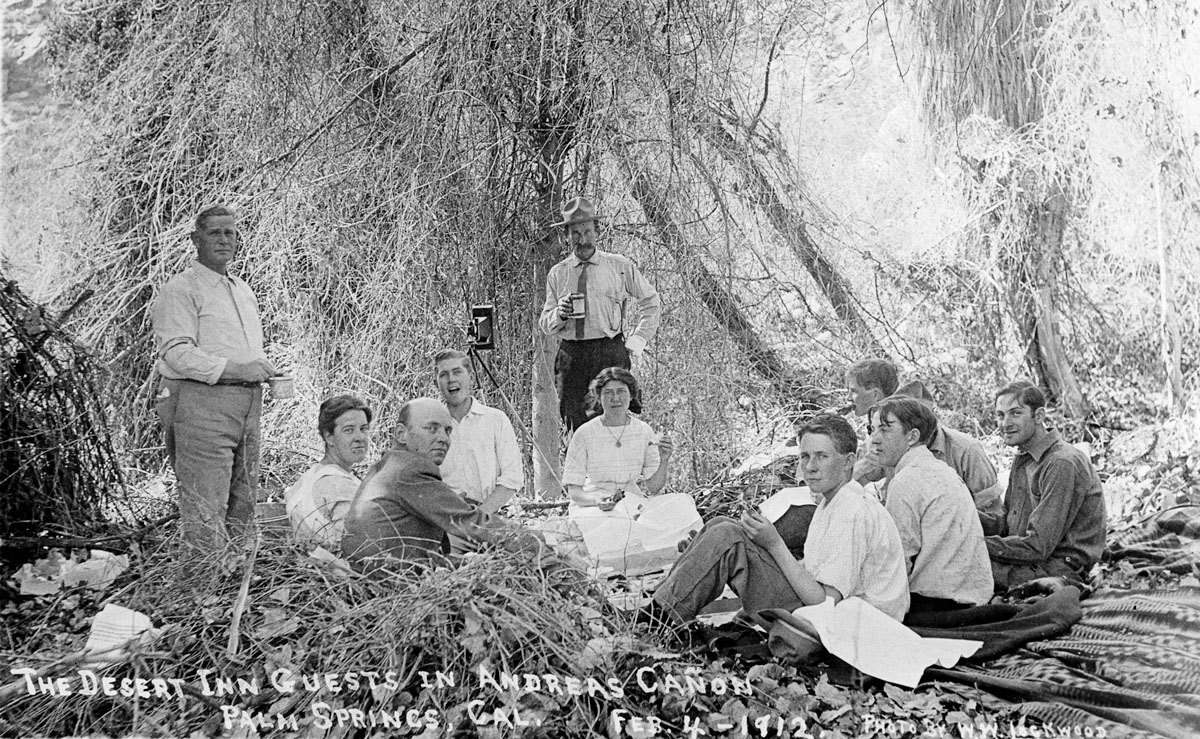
613, 374
215, 209
333, 408
911, 413
875, 373
836, 428
446, 354
1026, 393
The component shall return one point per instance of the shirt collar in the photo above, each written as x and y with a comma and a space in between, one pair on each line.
1038, 450
207, 275
939, 442
850, 488
594, 259
476, 408
920, 451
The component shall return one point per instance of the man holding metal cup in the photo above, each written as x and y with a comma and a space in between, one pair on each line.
587, 295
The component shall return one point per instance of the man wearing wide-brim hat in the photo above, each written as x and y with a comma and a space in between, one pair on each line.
587, 297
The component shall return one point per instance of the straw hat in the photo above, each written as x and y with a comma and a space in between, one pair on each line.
577, 210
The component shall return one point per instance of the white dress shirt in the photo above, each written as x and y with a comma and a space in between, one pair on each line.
483, 454
203, 320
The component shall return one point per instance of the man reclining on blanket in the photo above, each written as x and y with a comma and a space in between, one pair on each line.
852, 549
1054, 519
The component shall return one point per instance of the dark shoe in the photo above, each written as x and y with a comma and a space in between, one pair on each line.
686, 638
654, 616
676, 636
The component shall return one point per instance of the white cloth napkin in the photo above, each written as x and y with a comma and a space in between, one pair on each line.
873, 642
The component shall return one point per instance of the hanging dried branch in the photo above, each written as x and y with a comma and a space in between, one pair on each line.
708, 290
57, 466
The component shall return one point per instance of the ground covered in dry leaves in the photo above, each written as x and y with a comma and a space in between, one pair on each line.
278, 642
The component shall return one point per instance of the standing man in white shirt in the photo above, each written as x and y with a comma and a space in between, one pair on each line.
587, 295
484, 462
210, 356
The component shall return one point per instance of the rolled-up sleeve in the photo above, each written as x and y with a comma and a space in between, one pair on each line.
176, 323
508, 455
993, 523
977, 471
841, 569
648, 302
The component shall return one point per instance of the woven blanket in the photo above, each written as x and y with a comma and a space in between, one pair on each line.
1131, 666
1167, 541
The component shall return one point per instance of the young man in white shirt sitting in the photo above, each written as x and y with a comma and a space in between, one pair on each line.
852, 549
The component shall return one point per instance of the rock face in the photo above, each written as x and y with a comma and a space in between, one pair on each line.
26, 70
44, 168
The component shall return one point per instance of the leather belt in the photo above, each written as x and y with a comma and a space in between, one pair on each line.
618, 337
225, 383
239, 383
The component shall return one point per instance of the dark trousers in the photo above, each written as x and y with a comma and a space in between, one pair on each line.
577, 364
924, 604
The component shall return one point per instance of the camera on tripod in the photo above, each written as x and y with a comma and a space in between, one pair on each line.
481, 330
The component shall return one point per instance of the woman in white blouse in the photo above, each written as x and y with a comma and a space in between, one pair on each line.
615, 463
317, 502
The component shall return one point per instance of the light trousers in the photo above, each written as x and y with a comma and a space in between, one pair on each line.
722, 554
213, 443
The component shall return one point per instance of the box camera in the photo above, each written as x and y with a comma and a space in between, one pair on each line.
481, 331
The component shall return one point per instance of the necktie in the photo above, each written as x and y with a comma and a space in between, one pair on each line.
581, 288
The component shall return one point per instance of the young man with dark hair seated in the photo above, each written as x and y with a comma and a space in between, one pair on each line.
852, 549
964, 454
947, 561
1054, 520
869, 381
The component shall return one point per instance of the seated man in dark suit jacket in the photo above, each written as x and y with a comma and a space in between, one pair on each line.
403, 510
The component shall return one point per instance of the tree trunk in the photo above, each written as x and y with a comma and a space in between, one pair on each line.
561, 99
1048, 235
1168, 323
710, 123
547, 428
789, 223
709, 291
